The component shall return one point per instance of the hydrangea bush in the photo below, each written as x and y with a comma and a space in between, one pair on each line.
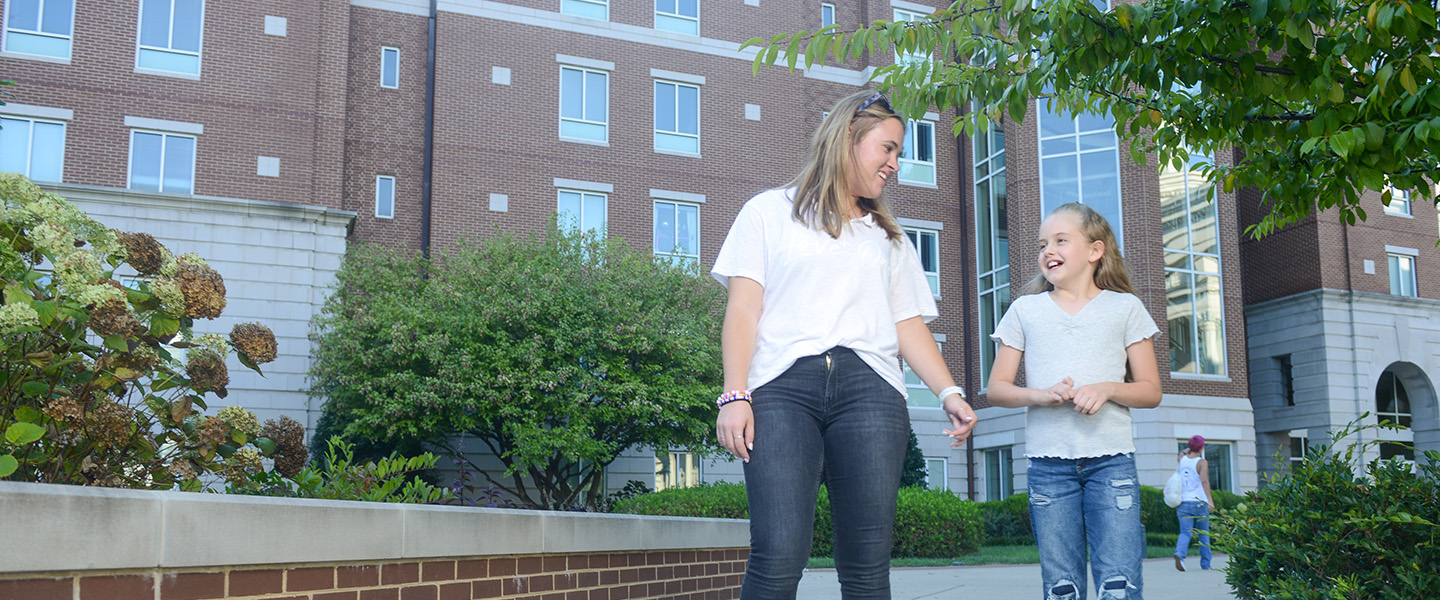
103, 382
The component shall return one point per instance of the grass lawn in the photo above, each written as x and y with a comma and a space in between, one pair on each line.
988, 555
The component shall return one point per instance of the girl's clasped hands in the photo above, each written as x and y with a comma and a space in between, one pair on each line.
1087, 398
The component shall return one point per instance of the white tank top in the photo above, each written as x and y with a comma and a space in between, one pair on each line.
1191, 490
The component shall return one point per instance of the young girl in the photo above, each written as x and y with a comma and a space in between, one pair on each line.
824, 292
1078, 330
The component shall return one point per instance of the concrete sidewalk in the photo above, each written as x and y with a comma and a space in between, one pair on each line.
1003, 582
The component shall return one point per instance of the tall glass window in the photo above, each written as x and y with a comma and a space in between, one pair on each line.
916, 390
676, 470
992, 238
583, 211
1080, 162
384, 197
1402, 274
170, 32
592, 9
162, 162
999, 474
927, 245
917, 157
31, 147
1218, 457
389, 67
937, 473
677, 232
827, 14
677, 117
1392, 401
584, 104
1399, 203
1193, 289
680, 16
39, 27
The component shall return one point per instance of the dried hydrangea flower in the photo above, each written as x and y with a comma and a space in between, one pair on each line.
207, 371
172, 300
256, 341
142, 251
289, 437
241, 419
203, 288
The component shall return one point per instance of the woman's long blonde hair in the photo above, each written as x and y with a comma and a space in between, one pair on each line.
1110, 272
822, 189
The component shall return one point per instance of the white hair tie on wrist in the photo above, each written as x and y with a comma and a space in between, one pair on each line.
954, 389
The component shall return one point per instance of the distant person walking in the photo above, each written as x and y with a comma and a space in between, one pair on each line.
824, 292
1196, 502
1080, 329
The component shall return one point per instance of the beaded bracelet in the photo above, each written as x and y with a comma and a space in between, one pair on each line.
732, 396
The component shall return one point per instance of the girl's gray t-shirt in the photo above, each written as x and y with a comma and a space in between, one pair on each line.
1089, 347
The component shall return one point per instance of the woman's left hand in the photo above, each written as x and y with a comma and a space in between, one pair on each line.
1089, 398
962, 417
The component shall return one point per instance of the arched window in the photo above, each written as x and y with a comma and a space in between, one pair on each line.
1392, 402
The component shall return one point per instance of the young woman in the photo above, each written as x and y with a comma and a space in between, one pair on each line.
824, 292
1196, 502
1079, 331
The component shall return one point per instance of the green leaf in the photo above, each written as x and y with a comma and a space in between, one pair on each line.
225, 450
16, 294
34, 388
24, 433
266, 445
27, 414
46, 309
8, 465
1407, 80
1258, 8
116, 342
162, 325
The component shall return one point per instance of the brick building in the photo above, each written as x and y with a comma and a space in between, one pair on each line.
1344, 321
263, 135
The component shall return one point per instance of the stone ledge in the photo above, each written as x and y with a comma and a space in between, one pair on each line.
71, 528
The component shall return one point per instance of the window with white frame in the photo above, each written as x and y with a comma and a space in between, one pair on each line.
584, 104
677, 232
1218, 459
999, 474
162, 162
1193, 307
992, 238
389, 67
1402, 274
34, 148
1299, 447
170, 35
384, 196
917, 157
40, 27
937, 473
676, 470
927, 244
677, 117
827, 14
1399, 203
591, 9
679, 16
1392, 400
582, 211
905, 16
1080, 162
918, 394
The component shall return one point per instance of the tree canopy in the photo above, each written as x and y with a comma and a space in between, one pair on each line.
1323, 99
555, 351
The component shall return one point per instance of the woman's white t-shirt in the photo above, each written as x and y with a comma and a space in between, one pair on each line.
821, 292
1191, 490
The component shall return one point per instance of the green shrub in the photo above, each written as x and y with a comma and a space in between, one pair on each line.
1012, 540
935, 524
1155, 514
1008, 518
928, 523
1164, 539
716, 500
1326, 532
341, 477
104, 382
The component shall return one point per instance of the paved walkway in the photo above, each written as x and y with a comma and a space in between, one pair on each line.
1003, 582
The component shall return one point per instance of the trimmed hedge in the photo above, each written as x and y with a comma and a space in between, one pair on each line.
928, 523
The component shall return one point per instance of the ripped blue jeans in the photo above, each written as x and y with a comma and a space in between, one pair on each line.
1091, 503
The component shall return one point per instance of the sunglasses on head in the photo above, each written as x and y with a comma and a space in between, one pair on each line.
876, 97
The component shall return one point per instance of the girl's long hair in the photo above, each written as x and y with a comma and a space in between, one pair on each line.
822, 189
1110, 272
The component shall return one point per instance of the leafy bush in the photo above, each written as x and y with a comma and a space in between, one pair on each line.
935, 524
341, 477
928, 523
91, 389
1008, 518
1326, 532
1160, 518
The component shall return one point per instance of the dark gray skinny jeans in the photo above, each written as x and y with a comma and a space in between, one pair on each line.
829, 409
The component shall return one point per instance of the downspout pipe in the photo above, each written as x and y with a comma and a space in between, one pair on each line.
965, 304
427, 170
